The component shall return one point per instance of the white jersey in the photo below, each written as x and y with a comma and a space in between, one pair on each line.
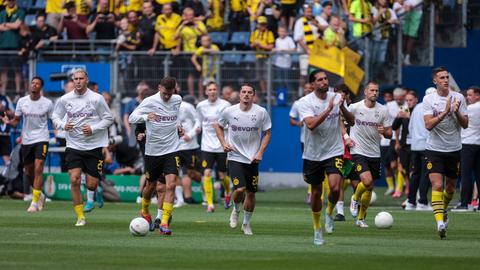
189, 120
244, 131
209, 112
365, 131
471, 135
35, 115
295, 114
444, 137
393, 110
325, 141
417, 130
162, 132
87, 109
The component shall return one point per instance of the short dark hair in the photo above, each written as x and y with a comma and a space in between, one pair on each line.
475, 88
169, 83
91, 84
40, 14
389, 91
371, 82
342, 88
249, 85
210, 83
437, 70
313, 74
69, 5
327, 3
38, 78
413, 93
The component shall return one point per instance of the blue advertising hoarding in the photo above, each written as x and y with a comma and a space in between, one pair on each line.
97, 72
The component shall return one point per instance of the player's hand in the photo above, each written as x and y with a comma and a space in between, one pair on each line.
87, 130
151, 116
300, 123
381, 129
140, 137
186, 138
227, 147
349, 142
257, 158
456, 105
68, 126
198, 130
331, 102
448, 106
5, 120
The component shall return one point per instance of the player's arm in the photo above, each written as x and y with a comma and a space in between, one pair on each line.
432, 121
139, 115
221, 137
313, 122
349, 117
460, 110
106, 119
267, 135
58, 114
386, 132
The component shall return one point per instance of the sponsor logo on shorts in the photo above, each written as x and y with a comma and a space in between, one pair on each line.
204, 163
100, 165
429, 165
359, 168
235, 181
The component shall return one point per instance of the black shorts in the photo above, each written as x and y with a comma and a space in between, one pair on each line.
189, 160
158, 166
34, 151
405, 155
244, 175
5, 145
90, 161
210, 158
314, 171
392, 154
367, 164
289, 10
446, 163
385, 155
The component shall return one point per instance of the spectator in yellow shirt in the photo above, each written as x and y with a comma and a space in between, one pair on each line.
334, 35
262, 40
54, 10
252, 6
208, 67
215, 19
166, 27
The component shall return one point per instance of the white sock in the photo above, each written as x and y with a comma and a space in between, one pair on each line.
246, 217
159, 214
340, 208
90, 195
236, 207
179, 194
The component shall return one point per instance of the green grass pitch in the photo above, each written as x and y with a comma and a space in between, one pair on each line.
283, 239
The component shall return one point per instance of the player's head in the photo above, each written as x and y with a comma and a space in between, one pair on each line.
167, 87
387, 96
80, 79
344, 91
399, 95
93, 86
247, 93
372, 91
441, 78
36, 85
211, 90
411, 99
227, 91
142, 90
319, 80
473, 94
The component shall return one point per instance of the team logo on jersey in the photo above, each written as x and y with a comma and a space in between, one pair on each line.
377, 114
236, 181
359, 168
429, 165
254, 118
235, 118
69, 106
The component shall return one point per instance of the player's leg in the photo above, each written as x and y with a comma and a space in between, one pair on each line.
239, 189
251, 176
77, 195
29, 167
207, 164
366, 184
160, 189
335, 184
152, 174
314, 176
171, 165
41, 150
179, 199
93, 162
221, 161
384, 153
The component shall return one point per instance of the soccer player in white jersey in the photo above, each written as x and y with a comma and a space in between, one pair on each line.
86, 126
249, 131
445, 114
209, 111
159, 112
324, 148
371, 122
35, 110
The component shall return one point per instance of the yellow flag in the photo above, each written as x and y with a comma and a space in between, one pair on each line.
328, 58
353, 76
351, 55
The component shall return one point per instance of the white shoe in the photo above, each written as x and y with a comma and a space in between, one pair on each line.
318, 238
247, 229
361, 223
28, 197
409, 206
442, 230
33, 208
80, 222
234, 219
139, 199
329, 224
41, 202
389, 192
179, 204
354, 207
423, 207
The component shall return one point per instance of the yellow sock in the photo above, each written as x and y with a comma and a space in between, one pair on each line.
390, 183
36, 195
145, 206
309, 189
447, 197
208, 187
316, 220
330, 208
167, 212
226, 185
359, 191
79, 211
400, 181
437, 205
366, 196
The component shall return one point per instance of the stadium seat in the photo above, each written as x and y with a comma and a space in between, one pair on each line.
24, 4
232, 58
40, 4
219, 38
250, 58
240, 39
30, 20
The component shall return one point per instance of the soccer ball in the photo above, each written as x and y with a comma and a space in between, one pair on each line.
373, 199
383, 220
139, 226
